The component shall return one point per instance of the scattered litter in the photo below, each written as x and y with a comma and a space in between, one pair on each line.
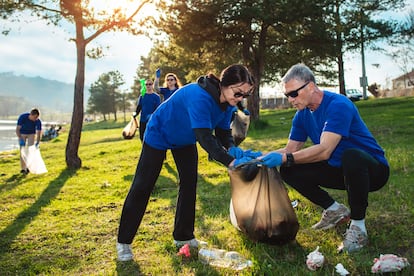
389, 263
184, 250
295, 203
340, 269
223, 258
315, 259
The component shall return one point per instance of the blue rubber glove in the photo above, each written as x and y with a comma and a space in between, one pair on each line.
252, 154
240, 161
273, 159
246, 112
158, 73
21, 142
37, 144
236, 152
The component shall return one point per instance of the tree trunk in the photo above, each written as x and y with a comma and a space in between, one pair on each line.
72, 159
341, 73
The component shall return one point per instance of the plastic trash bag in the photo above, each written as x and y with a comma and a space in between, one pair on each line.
261, 207
130, 129
33, 159
239, 127
223, 258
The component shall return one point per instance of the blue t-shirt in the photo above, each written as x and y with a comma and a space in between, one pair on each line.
339, 115
171, 125
27, 125
148, 104
166, 92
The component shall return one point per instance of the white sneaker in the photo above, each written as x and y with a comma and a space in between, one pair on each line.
192, 243
332, 218
124, 252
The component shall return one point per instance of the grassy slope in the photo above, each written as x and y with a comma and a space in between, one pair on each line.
65, 222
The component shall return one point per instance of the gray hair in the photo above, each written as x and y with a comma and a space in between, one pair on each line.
299, 72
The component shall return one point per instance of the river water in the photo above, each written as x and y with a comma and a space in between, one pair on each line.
8, 138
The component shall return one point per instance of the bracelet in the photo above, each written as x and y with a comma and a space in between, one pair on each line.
289, 159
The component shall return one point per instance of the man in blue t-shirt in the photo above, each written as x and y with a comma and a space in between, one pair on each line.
344, 155
28, 126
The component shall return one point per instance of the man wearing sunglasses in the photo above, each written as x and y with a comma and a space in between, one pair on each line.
344, 155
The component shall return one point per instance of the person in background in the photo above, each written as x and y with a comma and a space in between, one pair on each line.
190, 115
171, 84
344, 155
240, 107
28, 126
147, 104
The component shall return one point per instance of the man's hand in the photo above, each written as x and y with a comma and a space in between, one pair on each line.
272, 159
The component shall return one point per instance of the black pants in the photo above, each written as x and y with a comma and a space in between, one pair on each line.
360, 174
146, 174
142, 128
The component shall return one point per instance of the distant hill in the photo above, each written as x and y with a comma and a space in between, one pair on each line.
20, 93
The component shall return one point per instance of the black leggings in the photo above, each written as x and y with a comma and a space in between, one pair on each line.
142, 128
146, 174
360, 174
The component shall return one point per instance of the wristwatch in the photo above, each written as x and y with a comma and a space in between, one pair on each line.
289, 159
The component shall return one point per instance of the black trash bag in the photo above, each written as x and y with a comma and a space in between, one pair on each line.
261, 207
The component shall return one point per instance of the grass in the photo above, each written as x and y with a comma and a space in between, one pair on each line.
65, 222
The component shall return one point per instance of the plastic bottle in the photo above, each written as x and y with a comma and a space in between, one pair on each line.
223, 258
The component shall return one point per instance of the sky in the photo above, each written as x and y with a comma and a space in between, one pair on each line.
34, 48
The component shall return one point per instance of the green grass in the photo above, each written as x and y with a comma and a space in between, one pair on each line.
65, 222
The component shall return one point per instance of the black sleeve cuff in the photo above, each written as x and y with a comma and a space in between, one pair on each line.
210, 144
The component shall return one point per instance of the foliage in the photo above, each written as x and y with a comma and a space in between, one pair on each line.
268, 36
86, 20
403, 56
210, 35
105, 96
65, 221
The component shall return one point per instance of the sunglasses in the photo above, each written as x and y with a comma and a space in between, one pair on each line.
239, 94
170, 79
148, 84
295, 93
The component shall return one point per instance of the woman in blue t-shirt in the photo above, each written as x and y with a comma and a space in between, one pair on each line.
147, 104
171, 84
190, 115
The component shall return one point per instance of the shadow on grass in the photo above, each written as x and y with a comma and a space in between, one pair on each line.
128, 268
12, 182
9, 234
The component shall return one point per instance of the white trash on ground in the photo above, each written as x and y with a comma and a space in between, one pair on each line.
389, 263
224, 259
33, 159
315, 259
340, 269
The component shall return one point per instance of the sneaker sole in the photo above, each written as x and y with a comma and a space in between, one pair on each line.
338, 222
125, 259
